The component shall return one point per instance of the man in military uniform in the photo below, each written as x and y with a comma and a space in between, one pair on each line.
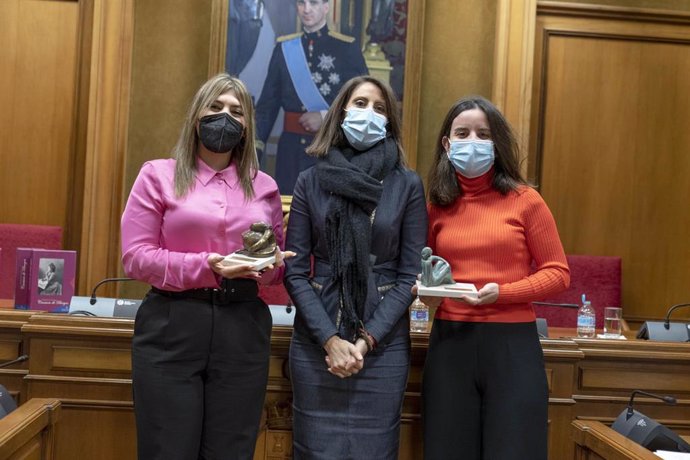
306, 72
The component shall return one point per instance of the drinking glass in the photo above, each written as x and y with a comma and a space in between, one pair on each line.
612, 322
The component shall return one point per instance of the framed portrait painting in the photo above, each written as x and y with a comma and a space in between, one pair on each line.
295, 55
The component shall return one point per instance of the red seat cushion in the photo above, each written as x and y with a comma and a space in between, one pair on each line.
598, 277
274, 294
13, 236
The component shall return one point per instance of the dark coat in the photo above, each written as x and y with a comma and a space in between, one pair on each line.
399, 234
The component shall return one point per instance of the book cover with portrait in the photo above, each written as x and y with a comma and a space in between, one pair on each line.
45, 279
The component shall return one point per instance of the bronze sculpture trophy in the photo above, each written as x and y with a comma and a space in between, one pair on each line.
259, 248
437, 279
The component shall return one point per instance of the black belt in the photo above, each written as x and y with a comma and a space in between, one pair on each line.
237, 290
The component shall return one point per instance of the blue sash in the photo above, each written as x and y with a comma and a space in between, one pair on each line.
306, 89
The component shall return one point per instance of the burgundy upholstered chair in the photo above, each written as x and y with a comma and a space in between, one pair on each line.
274, 294
598, 277
13, 236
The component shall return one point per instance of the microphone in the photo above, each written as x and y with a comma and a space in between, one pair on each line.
646, 432
92, 300
667, 323
666, 330
667, 399
542, 326
14, 361
552, 304
104, 306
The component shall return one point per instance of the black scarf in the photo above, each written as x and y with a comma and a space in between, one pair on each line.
354, 180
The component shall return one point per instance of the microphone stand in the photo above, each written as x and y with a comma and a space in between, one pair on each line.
667, 399
646, 431
552, 304
542, 326
667, 321
14, 361
665, 330
92, 300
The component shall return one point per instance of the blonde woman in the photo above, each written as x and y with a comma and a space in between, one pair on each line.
202, 335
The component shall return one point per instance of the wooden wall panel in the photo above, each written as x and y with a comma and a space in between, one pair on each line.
37, 81
609, 146
106, 430
458, 49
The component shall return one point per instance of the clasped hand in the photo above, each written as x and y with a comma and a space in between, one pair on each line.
343, 358
311, 121
246, 271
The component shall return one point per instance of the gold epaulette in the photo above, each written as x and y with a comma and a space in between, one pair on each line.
339, 36
283, 38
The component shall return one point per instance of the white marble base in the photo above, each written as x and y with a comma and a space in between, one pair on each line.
448, 290
257, 263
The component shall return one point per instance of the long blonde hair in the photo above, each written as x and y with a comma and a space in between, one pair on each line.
186, 149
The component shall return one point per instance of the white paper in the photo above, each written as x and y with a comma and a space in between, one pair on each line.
611, 337
668, 455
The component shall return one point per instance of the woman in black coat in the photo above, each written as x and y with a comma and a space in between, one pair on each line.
357, 223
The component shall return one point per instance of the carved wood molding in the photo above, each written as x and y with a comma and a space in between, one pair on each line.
593, 439
219, 38
613, 12
413, 77
516, 78
107, 44
513, 61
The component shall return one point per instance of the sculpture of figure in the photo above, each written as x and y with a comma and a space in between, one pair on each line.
259, 240
435, 270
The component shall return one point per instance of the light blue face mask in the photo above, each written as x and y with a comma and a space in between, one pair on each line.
363, 127
471, 158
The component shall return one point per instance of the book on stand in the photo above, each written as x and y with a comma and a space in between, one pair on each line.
44, 279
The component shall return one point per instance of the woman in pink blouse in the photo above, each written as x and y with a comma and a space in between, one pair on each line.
202, 335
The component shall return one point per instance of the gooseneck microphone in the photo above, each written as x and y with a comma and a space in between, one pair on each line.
92, 300
667, 320
14, 361
553, 304
667, 399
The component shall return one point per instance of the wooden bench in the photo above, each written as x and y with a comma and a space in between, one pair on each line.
28, 433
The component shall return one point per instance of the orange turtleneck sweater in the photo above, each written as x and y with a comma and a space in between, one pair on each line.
492, 238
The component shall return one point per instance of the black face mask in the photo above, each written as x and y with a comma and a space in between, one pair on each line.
220, 132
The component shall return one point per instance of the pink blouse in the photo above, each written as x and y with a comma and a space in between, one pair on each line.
166, 240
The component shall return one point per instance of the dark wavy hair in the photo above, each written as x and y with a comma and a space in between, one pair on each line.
443, 184
331, 134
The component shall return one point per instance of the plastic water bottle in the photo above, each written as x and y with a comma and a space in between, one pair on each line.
419, 316
585, 319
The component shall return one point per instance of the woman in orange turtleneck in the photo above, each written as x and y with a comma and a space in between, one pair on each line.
484, 389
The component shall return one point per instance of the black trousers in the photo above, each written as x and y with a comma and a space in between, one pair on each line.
199, 374
484, 392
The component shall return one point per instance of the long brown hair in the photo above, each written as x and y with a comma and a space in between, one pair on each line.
331, 134
443, 184
186, 149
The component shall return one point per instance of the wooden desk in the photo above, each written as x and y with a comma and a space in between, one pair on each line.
85, 362
596, 441
11, 347
29, 431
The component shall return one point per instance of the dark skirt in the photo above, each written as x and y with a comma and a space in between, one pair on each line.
353, 418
